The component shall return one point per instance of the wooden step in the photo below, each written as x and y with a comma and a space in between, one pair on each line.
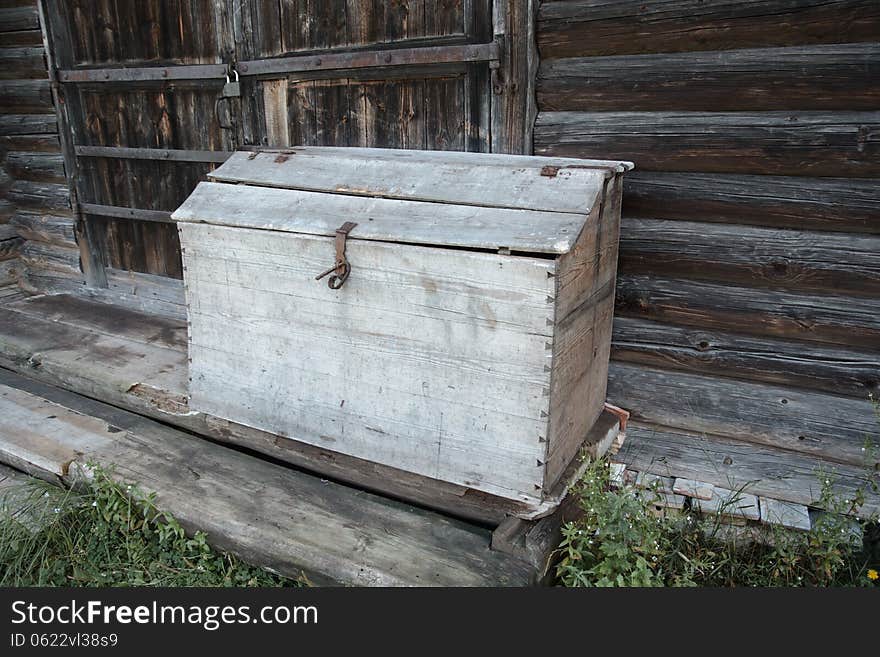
267, 514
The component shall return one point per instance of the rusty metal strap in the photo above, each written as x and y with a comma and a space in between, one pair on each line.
341, 267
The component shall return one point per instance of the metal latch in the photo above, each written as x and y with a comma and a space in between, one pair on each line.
341, 269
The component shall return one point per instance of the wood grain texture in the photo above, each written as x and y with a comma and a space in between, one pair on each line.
488, 181
827, 204
826, 77
830, 368
25, 97
407, 408
576, 28
828, 427
228, 495
734, 464
835, 319
137, 360
845, 144
797, 261
382, 219
41, 167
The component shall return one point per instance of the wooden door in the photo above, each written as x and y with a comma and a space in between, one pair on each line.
139, 85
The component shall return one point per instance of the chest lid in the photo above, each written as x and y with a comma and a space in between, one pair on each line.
439, 198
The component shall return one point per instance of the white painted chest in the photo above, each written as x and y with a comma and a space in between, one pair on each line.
469, 342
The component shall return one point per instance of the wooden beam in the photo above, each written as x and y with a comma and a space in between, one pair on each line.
573, 28
144, 73
379, 58
118, 212
166, 154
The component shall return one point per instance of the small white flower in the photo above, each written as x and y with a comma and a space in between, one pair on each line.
57, 510
95, 503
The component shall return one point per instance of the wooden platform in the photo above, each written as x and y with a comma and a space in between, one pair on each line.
268, 514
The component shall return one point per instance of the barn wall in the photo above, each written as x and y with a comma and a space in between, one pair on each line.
748, 301
37, 246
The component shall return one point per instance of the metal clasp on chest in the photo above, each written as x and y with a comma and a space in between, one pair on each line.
341, 269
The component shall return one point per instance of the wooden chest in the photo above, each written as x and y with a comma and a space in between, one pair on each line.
469, 342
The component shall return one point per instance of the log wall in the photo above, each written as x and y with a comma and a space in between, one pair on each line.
747, 304
37, 244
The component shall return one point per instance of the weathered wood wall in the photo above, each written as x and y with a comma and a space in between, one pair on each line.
37, 245
748, 299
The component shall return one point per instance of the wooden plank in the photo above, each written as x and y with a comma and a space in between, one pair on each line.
139, 214
212, 489
22, 63
25, 97
832, 204
513, 78
838, 320
733, 464
825, 367
825, 77
464, 178
594, 27
795, 143
26, 124
49, 228
381, 219
140, 74
799, 261
168, 154
413, 307
826, 426
42, 167
45, 143
385, 57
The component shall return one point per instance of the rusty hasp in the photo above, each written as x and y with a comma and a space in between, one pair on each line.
341, 269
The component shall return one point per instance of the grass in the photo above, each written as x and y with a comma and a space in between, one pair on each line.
107, 534
620, 541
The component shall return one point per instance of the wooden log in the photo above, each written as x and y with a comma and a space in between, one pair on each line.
7, 209
49, 228
824, 367
827, 426
826, 77
27, 124
10, 247
733, 464
798, 261
595, 27
38, 196
832, 204
22, 64
23, 38
25, 97
828, 319
777, 143
21, 16
45, 143
9, 270
38, 167
41, 256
